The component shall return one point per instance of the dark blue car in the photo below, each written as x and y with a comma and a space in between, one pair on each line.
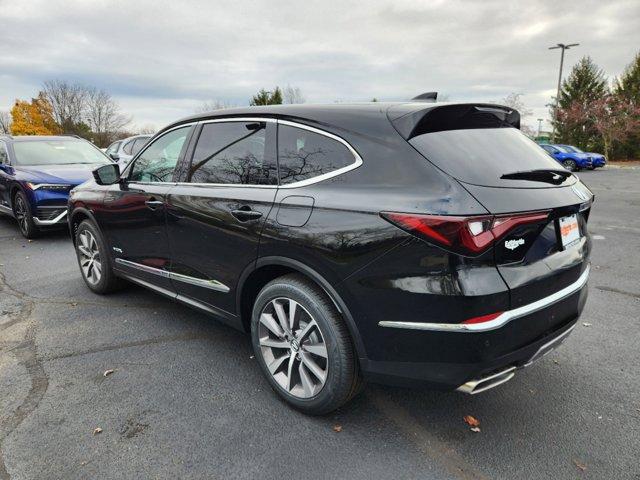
572, 161
36, 175
597, 159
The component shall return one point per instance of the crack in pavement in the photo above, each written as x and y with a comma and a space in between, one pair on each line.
27, 355
616, 290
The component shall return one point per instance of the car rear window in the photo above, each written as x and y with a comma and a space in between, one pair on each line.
480, 156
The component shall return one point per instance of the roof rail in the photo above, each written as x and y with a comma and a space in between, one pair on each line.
5, 135
426, 97
70, 135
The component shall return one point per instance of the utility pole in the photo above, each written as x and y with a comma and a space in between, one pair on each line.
563, 47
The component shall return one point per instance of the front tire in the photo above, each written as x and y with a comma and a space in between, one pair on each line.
23, 215
94, 259
303, 346
570, 165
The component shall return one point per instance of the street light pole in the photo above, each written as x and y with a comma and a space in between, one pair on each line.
539, 126
563, 47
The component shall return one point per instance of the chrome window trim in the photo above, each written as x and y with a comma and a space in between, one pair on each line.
210, 284
310, 181
302, 183
499, 321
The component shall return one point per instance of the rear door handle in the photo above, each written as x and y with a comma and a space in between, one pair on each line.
154, 204
245, 214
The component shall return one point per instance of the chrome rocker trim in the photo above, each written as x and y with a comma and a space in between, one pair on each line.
42, 223
500, 320
199, 282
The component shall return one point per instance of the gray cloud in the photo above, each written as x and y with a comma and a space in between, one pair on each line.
161, 59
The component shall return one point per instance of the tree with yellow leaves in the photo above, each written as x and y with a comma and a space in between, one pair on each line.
33, 118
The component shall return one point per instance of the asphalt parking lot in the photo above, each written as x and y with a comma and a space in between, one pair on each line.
186, 399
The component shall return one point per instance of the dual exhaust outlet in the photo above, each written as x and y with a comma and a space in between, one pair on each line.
483, 384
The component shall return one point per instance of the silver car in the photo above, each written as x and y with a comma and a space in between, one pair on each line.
122, 151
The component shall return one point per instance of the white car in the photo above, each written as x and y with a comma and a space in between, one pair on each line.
122, 151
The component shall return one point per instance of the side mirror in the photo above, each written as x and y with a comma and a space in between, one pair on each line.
114, 156
107, 174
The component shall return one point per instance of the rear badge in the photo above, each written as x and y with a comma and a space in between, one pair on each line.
513, 244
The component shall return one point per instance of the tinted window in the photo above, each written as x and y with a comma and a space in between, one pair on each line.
303, 154
232, 153
158, 162
138, 144
481, 156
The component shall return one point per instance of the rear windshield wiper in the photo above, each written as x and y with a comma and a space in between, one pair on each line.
555, 177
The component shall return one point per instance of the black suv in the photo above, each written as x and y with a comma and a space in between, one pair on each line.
409, 243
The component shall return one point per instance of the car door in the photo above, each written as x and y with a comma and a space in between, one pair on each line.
133, 216
216, 212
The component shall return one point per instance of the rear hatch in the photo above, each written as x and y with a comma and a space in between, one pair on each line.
481, 146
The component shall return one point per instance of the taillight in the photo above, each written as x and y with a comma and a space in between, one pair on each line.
466, 235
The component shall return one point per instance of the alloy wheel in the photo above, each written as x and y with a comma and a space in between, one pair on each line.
89, 254
22, 214
293, 348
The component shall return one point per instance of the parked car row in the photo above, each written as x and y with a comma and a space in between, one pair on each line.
411, 243
574, 159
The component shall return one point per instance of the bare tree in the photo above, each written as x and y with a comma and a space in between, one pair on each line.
514, 100
5, 122
292, 94
209, 106
102, 115
68, 102
147, 129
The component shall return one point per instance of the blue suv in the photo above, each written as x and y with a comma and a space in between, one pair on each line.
572, 161
597, 159
37, 173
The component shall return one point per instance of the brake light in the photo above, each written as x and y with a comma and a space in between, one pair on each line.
467, 235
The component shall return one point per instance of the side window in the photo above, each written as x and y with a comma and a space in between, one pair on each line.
138, 144
128, 147
113, 148
232, 153
4, 156
303, 154
158, 162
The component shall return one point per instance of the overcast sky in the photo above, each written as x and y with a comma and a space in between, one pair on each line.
162, 59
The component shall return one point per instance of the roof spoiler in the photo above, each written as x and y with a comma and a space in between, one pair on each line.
426, 97
443, 117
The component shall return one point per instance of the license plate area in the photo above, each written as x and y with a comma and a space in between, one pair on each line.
569, 229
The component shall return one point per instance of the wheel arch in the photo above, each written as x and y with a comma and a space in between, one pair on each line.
266, 269
77, 216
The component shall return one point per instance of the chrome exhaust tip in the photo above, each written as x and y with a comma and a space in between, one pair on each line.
483, 384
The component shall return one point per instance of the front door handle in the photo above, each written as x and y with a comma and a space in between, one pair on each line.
154, 204
244, 214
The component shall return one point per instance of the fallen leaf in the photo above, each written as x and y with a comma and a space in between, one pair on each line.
471, 421
556, 362
337, 428
579, 465
97, 430
586, 324
74, 304
107, 372
475, 429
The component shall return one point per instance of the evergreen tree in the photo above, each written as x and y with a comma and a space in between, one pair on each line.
585, 84
267, 98
627, 88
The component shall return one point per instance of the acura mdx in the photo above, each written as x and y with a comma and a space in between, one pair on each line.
414, 243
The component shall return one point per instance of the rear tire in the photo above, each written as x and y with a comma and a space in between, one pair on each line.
570, 165
307, 357
94, 259
24, 216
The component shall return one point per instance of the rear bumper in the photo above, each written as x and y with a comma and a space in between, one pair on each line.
473, 356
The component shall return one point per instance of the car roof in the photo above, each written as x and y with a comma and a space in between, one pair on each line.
40, 138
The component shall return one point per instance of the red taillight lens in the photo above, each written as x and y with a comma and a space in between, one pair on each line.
466, 235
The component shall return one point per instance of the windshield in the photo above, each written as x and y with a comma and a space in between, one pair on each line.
481, 156
57, 152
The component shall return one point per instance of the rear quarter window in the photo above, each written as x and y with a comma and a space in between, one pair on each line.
303, 154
